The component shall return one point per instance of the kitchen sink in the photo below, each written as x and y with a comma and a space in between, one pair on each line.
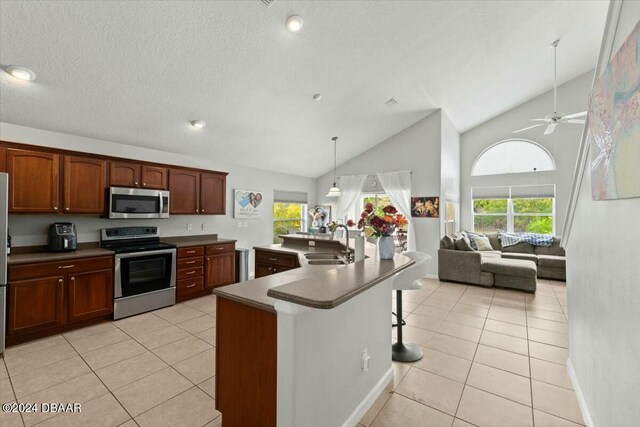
327, 262
321, 255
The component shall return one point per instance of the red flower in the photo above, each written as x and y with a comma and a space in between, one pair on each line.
389, 209
350, 223
364, 214
368, 207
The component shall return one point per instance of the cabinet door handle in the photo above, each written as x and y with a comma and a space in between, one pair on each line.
197, 211
202, 210
59, 280
66, 209
55, 208
135, 182
73, 278
66, 266
190, 262
191, 285
144, 184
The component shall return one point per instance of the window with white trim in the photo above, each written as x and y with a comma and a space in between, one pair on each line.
514, 209
513, 156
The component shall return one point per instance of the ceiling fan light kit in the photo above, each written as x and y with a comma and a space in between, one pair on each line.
553, 120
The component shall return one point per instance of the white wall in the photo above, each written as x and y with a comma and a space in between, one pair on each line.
603, 281
418, 149
450, 170
563, 145
31, 229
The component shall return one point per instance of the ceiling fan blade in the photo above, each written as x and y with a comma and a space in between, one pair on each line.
576, 121
541, 120
550, 128
574, 115
527, 128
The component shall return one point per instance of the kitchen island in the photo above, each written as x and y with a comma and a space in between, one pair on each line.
310, 346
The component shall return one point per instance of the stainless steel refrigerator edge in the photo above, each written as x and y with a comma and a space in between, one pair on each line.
4, 218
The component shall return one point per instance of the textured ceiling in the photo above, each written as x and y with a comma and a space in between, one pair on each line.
137, 72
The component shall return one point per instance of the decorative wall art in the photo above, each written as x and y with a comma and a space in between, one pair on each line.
247, 204
614, 125
425, 207
320, 216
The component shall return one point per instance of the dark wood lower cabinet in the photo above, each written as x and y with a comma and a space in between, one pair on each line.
221, 270
90, 295
35, 304
202, 268
268, 262
51, 297
246, 363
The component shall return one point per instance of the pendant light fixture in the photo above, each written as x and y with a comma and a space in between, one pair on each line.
334, 191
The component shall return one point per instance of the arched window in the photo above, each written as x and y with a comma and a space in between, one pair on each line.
513, 156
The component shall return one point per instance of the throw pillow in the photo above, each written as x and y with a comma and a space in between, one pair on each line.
483, 244
448, 242
472, 238
463, 244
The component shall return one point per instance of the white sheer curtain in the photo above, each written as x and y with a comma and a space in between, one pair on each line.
397, 185
350, 189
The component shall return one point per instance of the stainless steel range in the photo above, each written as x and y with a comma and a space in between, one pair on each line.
145, 269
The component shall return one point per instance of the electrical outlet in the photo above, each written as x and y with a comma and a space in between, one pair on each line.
203, 226
312, 243
366, 360
245, 224
239, 224
189, 227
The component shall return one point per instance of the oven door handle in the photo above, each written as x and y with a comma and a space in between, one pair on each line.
146, 253
161, 204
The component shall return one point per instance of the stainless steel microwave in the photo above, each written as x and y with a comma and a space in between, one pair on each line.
137, 203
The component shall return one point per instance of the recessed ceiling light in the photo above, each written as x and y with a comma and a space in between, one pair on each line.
198, 124
317, 97
21, 73
294, 23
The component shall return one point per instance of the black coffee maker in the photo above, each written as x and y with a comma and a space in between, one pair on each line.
62, 237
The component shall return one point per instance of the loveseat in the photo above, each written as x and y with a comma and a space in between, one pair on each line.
465, 264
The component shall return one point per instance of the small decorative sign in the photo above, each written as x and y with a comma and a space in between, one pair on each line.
425, 207
246, 204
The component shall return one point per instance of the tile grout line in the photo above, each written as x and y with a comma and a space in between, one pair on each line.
526, 318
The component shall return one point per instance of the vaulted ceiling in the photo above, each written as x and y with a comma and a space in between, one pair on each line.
137, 72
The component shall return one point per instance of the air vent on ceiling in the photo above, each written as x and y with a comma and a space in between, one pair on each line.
391, 102
268, 3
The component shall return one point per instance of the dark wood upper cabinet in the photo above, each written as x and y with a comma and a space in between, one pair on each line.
184, 186
33, 181
212, 193
3, 159
84, 184
90, 295
124, 174
154, 177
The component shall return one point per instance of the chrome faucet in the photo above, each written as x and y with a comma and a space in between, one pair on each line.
347, 251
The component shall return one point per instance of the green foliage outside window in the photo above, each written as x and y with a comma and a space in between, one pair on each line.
529, 215
287, 218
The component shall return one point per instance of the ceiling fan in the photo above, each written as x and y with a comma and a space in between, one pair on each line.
553, 120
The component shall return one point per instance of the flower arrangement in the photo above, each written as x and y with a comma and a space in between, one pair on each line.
377, 226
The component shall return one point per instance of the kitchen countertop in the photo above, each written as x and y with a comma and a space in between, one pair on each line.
316, 286
25, 258
202, 240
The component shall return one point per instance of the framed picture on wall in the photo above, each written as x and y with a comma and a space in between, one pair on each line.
320, 216
247, 204
425, 207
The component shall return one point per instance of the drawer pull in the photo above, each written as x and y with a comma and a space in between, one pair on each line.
273, 259
191, 272
191, 252
190, 262
67, 266
220, 248
191, 285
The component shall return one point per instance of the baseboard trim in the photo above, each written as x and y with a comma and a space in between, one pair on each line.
368, 401
588, 421
432, 276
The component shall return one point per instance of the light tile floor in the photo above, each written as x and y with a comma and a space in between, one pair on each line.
154, 369
492, 358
